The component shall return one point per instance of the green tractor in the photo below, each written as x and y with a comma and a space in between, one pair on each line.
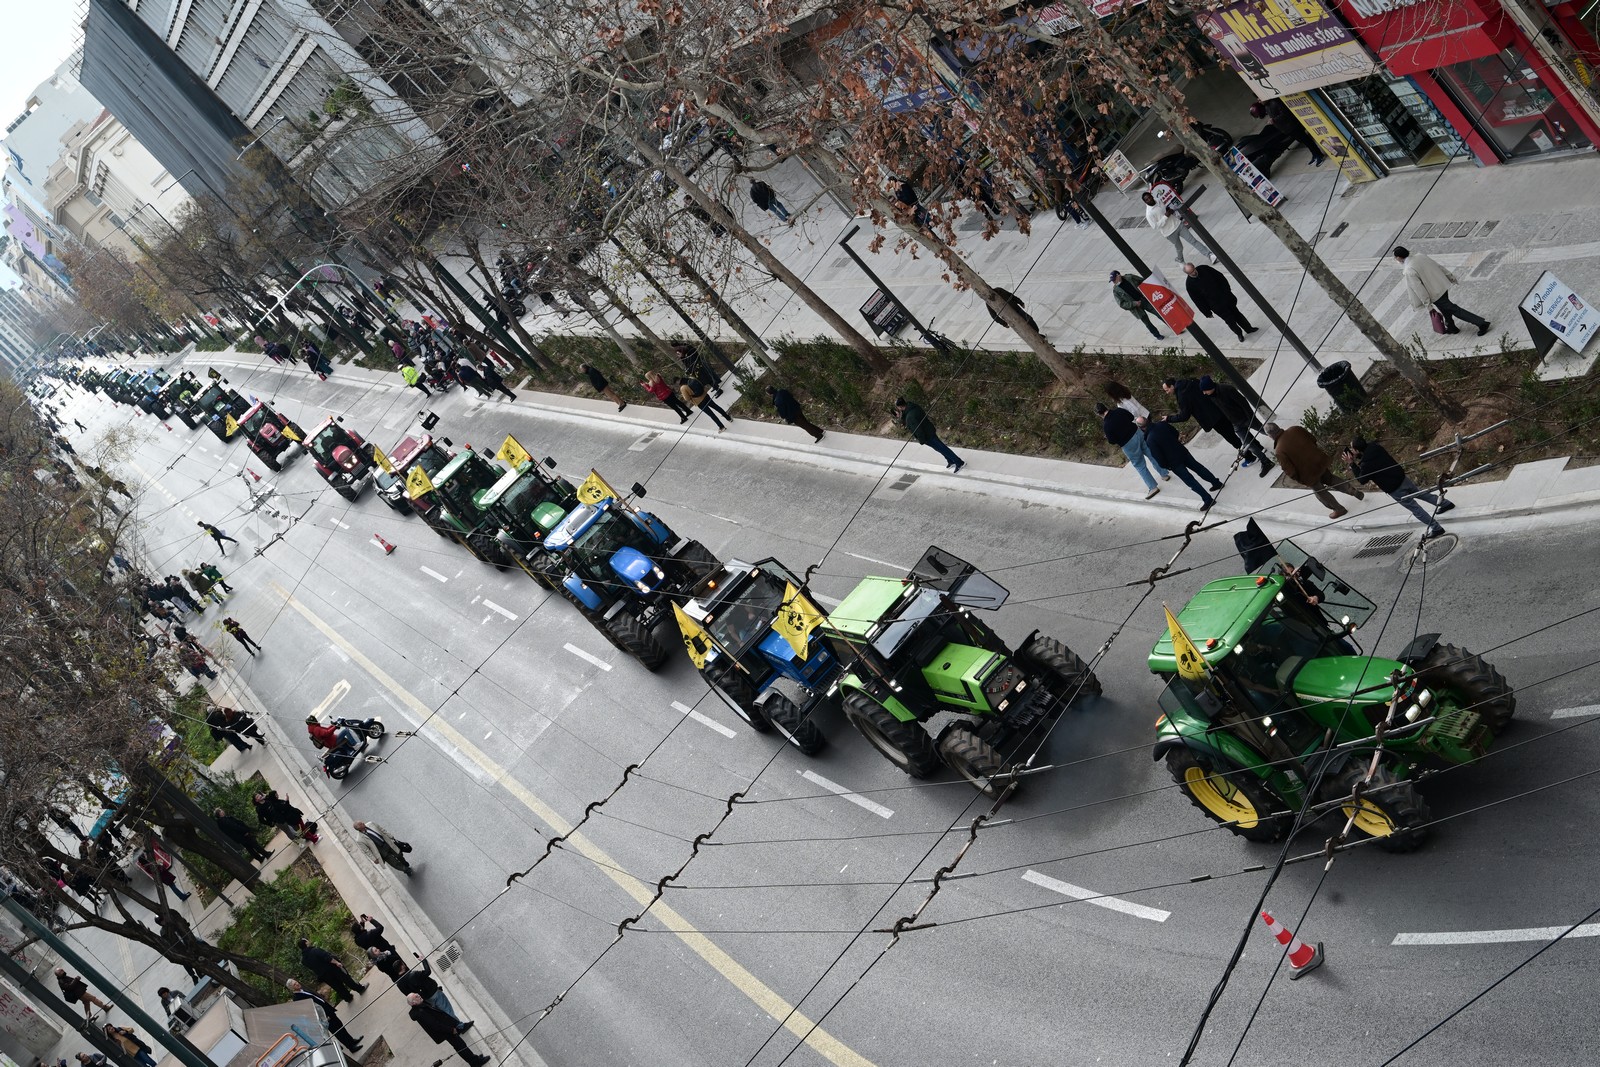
926, 682
527, 503
1268, 693
450, 509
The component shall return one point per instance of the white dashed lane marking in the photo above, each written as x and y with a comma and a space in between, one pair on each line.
1576, 713
1089, 896
581, 654
703, 720
855, 798
492, 606
431, 573
1495, 937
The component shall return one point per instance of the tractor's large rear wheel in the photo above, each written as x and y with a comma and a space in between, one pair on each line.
1229, 794
1069, 676
973, 758
904, 744
739, 693
636, 639
486, 548
795, 726
540, 573
1477, 685
1390, 808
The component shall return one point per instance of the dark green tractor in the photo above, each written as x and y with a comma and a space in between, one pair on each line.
1285, 698
451, 511
525, 504
927, 682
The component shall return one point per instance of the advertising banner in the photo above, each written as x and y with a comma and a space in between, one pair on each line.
1552, 304
1334, 143
1285, 46
1173, 309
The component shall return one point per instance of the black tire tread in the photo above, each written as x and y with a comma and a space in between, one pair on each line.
973, 758
1484, 689
1265, 830
796, 727
735, 686
919, 758
1399, 799
637, 640
1048, 653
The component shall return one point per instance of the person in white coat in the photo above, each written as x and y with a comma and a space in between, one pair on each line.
1428, 283
381, 846
1164, 220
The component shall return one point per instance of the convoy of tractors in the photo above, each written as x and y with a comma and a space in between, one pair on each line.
1271, 713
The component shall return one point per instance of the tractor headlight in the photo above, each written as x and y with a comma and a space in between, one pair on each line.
641, 586
1022, 685
1414, 712
1424, 698
1002, 705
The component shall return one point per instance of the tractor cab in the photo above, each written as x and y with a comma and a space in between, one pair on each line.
270, 434
611, 540
526, 503
415, 449
449, 507
342, 458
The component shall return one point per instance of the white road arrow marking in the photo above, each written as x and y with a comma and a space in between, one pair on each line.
855, 798
1089, 896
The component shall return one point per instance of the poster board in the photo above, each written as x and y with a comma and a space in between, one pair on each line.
1563, 315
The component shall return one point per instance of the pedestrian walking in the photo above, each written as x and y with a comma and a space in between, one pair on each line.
335, 1024
413, 378
1119, 428
1304, 462
1370, 462
273, 810
1007, 296
220, 729
131, 1044
399, 351
658, 387
237, 632
1195, 402
763, 197
1163, 218
201, 585
215, 576
381, 846
80, 426
1280, 118
419, 980
1125, 290
692, 392
1237, 413
389, 963
790, 411
177, 592
75, 990
601, 385
1122, 397
493, 380
1429, 283
468, 375
1168, 449
237, 721
367, 932
442, 1028
315, 360
194, 659
499, 360
156, 863
694, 364
240, 833
329, 969
921, 428
1211, 294
216, 535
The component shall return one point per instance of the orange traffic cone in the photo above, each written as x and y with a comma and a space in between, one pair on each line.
166, 427
388, 549
252, 474
1303, 959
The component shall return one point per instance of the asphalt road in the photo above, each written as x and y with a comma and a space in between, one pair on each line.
525, 715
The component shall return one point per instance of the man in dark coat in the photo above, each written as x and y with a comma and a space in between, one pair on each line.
1371, 462
1168, 449
1304, 461
420, 980
1122, 431
328, 969
1125, 290
335, 1024
1194, 403
789, 410
1016, 303
240, 832
1236, 412
917, 423
367, 932
442, 1028
389, 963
1211, 294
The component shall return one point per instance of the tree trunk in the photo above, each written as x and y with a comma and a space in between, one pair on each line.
682, 261
868, 351
1136, 84
500, 301
678, 309
615, 299
628, 351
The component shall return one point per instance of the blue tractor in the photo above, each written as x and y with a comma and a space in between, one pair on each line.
623, 567
733, 630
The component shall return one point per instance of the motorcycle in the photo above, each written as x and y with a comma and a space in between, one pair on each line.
336, 763
1174, 167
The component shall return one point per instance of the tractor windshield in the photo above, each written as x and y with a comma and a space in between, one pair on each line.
518, 503
748, 614
253, 424
592, 551
323, 444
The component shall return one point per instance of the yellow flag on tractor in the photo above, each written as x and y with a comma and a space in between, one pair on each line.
418, 482
1191, 664
594, 489
695, 639
797, 617
381, 459
512, 452
230, 425
293, 434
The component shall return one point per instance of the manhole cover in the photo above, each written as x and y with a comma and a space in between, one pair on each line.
1433, 551
1383, 545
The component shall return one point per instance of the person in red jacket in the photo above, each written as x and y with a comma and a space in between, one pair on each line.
658, 387
332, 738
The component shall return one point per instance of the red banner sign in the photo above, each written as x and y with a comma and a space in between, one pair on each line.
1173, 309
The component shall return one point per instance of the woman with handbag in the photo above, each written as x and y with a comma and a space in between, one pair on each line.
692, 392
131, 1044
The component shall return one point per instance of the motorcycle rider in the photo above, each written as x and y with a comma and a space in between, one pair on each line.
335, 739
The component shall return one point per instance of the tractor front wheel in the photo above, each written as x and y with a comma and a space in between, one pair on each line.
795, 726
739, 693
1231, 795
904, 744
1069, 676
974, 759
1481, 688
634, 638
1390, 808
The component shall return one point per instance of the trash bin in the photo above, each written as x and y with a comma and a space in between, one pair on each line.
1343, 386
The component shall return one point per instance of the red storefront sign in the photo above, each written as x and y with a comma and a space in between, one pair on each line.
1173, 309
1422, 35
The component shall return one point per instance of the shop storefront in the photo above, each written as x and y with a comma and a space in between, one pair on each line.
1484, 79
1395, 121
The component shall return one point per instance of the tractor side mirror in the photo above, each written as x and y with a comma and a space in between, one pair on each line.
550, 462
447, 442
638, 490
